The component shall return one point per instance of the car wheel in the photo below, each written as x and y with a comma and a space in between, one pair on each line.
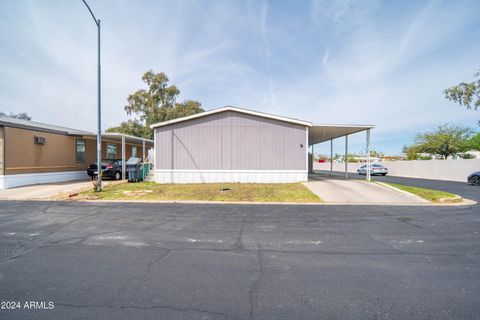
358, 172
118, 175
384, 174
475, 181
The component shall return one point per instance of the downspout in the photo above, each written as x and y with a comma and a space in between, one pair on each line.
4, 162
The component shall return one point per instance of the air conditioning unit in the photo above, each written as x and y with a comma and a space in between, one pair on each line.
39, 140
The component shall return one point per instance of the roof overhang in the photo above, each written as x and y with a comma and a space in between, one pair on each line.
230, 108
319, 133
37, 126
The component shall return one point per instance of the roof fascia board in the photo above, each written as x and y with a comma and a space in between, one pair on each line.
229, 108
362, 126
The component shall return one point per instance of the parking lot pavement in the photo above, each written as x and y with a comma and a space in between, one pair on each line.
43, 191
335, 190
178, 261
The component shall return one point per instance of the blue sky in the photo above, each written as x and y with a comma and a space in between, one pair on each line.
379, 62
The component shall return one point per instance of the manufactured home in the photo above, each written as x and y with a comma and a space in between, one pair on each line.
32, 152
233, 144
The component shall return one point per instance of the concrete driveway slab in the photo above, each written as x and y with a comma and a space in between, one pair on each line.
335, 190
43, 191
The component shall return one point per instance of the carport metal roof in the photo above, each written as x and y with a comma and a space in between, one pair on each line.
319, 133
116, 136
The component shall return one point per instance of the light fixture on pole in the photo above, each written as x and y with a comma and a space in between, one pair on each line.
99, 111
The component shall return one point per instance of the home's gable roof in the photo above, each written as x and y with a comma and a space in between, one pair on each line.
235, 109
32, 125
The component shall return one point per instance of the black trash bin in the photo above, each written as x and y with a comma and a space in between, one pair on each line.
133, 169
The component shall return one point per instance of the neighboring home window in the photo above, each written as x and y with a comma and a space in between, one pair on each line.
111, 151
134, 151
80, 150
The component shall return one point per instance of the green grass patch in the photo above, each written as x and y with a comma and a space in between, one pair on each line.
428, 194
255, 192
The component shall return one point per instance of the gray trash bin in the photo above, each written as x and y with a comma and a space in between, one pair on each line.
133, 169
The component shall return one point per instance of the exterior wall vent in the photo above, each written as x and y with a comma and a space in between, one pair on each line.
39, 140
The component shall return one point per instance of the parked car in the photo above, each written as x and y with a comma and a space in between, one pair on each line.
474, 179
374, 169
111, 168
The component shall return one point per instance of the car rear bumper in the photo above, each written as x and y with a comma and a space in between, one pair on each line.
373, 173
105, 173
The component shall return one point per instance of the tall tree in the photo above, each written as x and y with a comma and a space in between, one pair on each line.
411, 152
465, 93
474, 143
446, 140
155, 104
21, 115
131, 127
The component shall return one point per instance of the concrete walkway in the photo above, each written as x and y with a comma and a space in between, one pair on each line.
43, 191
337, 190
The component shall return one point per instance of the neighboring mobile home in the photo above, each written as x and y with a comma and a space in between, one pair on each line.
238, 145
32, 152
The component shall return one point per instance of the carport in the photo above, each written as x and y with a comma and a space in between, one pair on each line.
319, 133
123, 140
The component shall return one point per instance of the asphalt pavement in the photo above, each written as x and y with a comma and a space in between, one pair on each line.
179, 261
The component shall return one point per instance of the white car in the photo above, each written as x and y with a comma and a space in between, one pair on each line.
374, 169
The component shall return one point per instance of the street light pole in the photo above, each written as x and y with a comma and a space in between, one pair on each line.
99, 113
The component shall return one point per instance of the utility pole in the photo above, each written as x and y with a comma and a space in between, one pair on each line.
99, 109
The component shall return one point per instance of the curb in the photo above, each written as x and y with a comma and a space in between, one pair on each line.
411, 195
466, 202
457, 200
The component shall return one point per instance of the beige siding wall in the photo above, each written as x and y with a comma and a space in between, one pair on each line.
22, 155
91, 147
231, 141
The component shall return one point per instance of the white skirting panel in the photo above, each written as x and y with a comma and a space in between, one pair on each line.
244, 176
16, 180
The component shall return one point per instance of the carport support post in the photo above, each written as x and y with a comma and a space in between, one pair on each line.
368, 155
331, 157
346, 156
313, 157
123, 157
143, 149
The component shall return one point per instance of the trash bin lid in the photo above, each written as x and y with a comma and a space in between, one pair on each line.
133, 161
